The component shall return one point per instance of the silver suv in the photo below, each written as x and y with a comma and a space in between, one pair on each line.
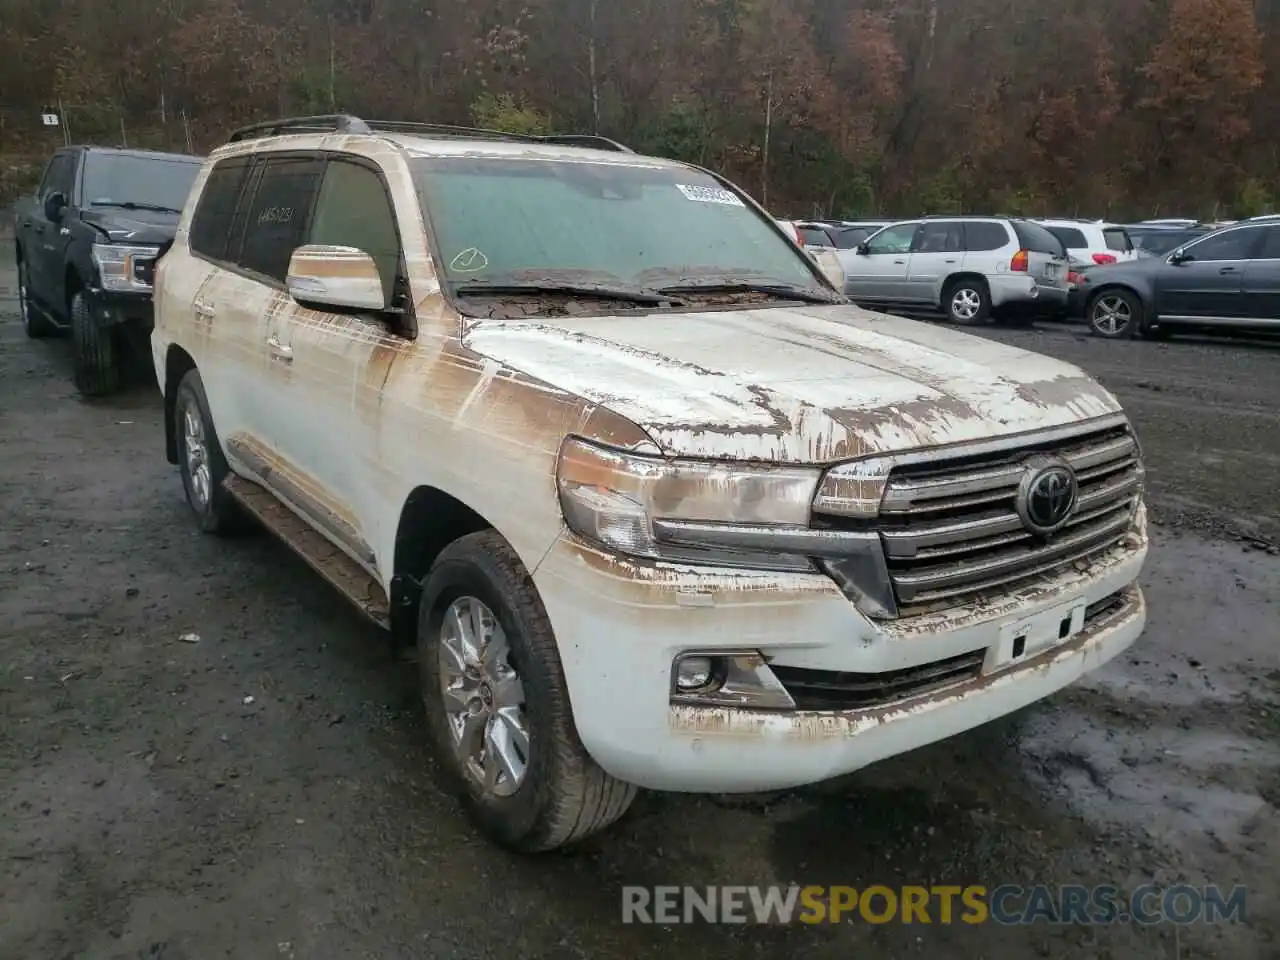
967, 267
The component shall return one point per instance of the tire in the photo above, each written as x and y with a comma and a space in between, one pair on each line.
203, 470
561, 796
93, 351
34, 323
1114, 314
967, 302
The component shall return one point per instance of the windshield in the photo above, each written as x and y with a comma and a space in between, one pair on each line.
121, 178
533, 220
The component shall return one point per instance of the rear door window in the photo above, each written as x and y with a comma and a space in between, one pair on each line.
945, 237
1117, 238
1069, 237
1035, 238
983, 235
280, 215
211, 224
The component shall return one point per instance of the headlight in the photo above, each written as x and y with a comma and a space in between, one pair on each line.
125, 268
684, 510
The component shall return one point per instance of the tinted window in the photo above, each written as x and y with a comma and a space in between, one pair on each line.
1161, 242
1117, 239
980, 235
211, 224
280, 214
58, 176
1069, 236
895, 239
1270, 249
850, 237
1037, 239
939, 238
518, 219
122, 178
1228, 245
353, 210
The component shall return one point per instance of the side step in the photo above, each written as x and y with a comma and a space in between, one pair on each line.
341, 571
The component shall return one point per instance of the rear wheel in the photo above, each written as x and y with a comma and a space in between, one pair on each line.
94, 351
967, 302
200, 460
34, 323
1115, 314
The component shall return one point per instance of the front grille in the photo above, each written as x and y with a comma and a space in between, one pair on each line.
951, 531
828, 690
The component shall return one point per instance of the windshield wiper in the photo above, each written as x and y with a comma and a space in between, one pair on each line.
602, 291
742, 285
133, 205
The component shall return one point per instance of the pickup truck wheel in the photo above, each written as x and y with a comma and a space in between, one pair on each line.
93, 349
34, 323
967, 302
1115, 315
200, 460
498, 707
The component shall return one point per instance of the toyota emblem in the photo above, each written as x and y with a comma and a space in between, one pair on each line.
1047, 495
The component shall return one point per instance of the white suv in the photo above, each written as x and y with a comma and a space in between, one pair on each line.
1093, 242
970, 268
658, 506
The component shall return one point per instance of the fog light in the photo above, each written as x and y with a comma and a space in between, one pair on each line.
694, 673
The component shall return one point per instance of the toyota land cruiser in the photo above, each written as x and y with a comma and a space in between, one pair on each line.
657, 505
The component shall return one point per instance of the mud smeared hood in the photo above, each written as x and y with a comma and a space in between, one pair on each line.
802, 385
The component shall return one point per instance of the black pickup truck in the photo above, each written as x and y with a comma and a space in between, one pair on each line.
87, 244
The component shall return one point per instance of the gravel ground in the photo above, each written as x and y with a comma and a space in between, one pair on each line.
151, 809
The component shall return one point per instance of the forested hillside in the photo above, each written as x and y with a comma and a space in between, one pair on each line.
838, 107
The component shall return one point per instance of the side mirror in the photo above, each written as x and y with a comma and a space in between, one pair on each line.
54, 204
831, 267
335, 278
862, 249
1178, 256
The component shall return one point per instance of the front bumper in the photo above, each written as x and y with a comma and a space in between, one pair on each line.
619, 625
112, 309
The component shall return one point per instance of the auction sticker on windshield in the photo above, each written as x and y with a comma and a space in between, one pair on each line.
710, 195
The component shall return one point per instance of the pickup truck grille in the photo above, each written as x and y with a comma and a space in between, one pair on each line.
951, 531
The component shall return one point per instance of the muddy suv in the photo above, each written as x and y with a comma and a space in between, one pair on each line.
657, 505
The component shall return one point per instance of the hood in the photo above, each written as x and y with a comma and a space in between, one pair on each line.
132, 226
803, 385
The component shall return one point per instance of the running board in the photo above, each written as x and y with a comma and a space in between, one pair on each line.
350, 579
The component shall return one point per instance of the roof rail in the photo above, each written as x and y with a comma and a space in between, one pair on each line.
346, 123
321, 123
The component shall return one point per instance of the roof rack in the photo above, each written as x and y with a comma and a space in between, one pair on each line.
346, 123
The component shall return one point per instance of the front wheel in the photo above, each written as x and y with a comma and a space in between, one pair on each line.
1115, 315
498, 707
93, 351
968, 302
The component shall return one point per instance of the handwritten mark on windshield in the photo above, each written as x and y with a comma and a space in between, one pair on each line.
470, 260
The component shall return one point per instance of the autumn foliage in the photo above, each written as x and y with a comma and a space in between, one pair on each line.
835, 107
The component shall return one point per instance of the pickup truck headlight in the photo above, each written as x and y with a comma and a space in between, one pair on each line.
684, 510
125, 268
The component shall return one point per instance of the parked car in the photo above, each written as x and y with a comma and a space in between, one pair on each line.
658, 506
1226, 279
86, 246
817, 244
1092, 240
1156, 241
967, 267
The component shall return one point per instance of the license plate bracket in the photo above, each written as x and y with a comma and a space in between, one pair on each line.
1029, 636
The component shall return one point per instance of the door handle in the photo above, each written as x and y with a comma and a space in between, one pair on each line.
899, 261
281, 351
948, 261
204, 310
1226, 270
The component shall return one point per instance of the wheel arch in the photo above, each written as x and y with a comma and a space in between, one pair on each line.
959, 276
430, 520
176, 364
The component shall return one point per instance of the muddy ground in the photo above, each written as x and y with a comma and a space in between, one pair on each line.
149, 809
